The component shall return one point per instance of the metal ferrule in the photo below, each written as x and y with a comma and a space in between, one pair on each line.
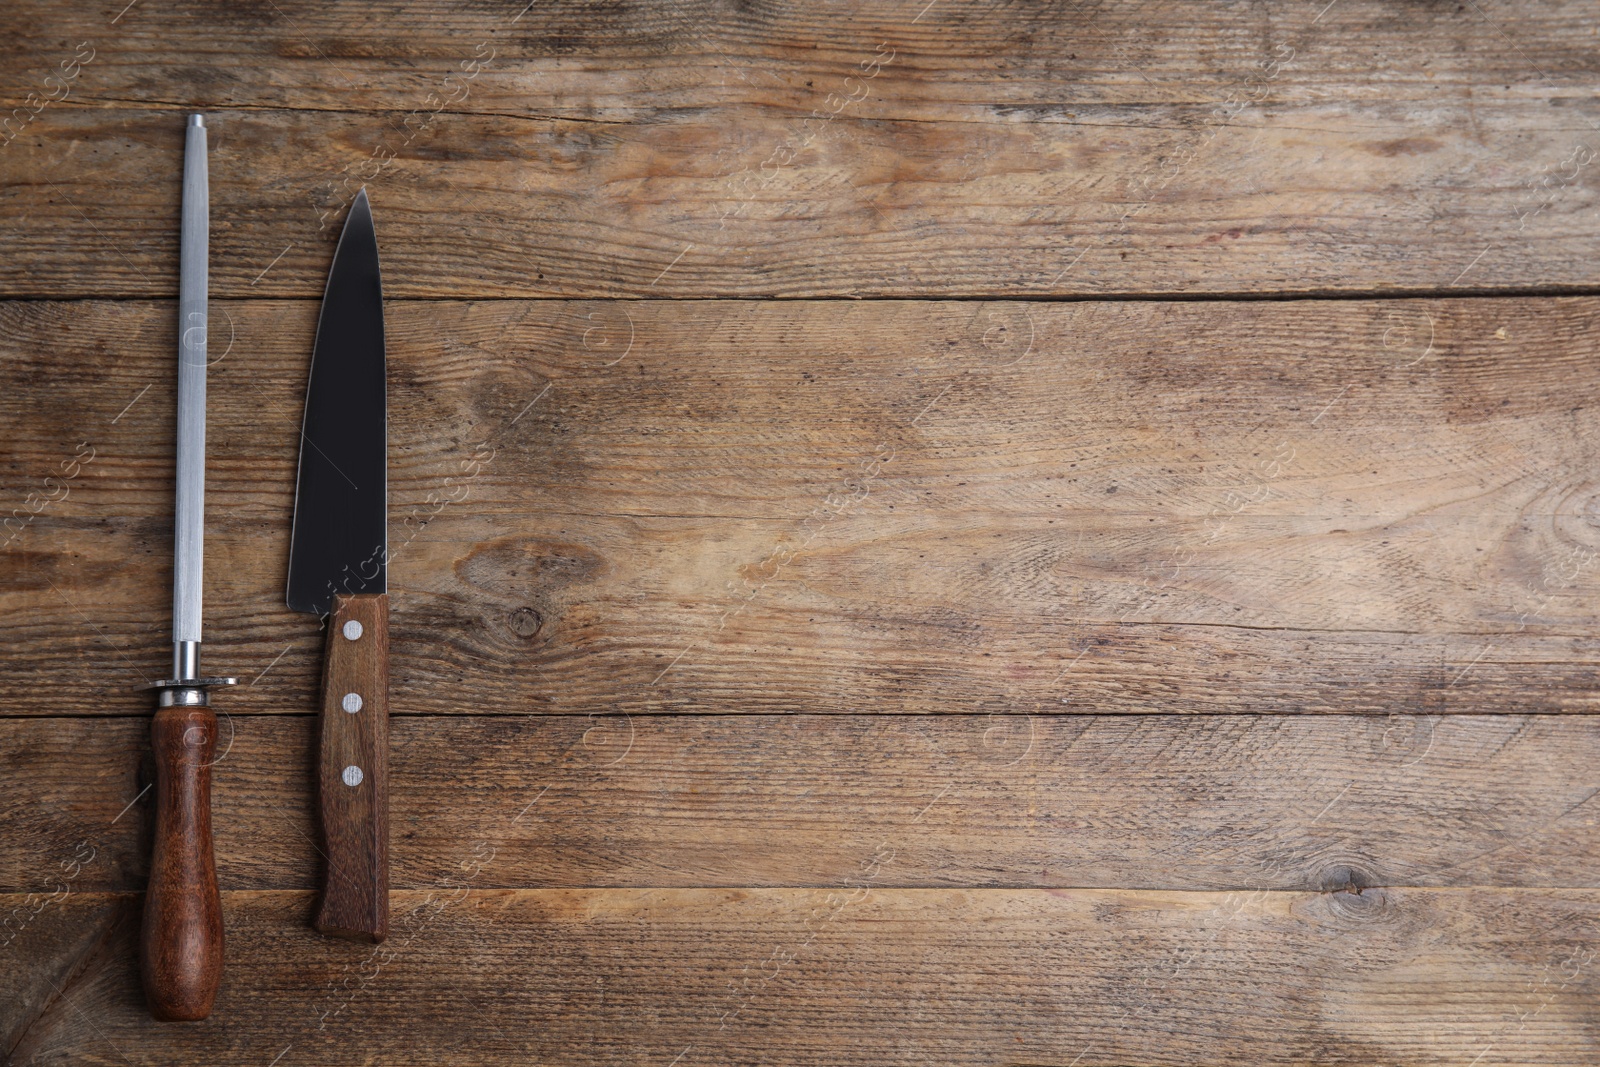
186, 692
185, 668
185, 659
184, 697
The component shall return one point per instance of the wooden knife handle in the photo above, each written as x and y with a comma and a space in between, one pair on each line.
181, 957
353, 769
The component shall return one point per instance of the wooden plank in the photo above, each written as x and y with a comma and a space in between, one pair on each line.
687, 149
53, 937
874, 975
1382, 507
1220, 802
625, 63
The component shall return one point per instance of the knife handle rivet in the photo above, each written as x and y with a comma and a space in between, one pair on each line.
352, 630
352, 775
351, 702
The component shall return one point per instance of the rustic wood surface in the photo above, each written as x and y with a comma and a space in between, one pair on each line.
690, 148
1148, 802
1341, 506
866, 973
1088, 650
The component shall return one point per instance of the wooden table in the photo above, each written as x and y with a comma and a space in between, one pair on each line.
1027, 534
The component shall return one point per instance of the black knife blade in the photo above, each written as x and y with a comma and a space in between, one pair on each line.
340, 538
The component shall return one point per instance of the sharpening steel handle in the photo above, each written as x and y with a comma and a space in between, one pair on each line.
181, 961
353, 769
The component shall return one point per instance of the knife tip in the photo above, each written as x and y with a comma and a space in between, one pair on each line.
197, 120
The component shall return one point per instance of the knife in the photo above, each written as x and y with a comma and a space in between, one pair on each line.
181, 939
338, 569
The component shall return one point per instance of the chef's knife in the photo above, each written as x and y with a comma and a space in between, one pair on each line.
338, 569
181, 942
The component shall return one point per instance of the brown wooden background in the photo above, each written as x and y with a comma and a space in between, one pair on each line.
962, 533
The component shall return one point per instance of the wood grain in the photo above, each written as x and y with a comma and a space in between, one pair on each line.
968, 63
880, 975
180, 945
51, 940
1154, 802
1375, 507
696, 149
353, 769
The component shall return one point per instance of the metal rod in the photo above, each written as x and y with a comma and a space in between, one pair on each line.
189, 525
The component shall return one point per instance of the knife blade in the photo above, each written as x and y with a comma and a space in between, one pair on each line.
181, 937
338, 569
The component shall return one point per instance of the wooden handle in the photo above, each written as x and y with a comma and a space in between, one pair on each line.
182, 937
353, 769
